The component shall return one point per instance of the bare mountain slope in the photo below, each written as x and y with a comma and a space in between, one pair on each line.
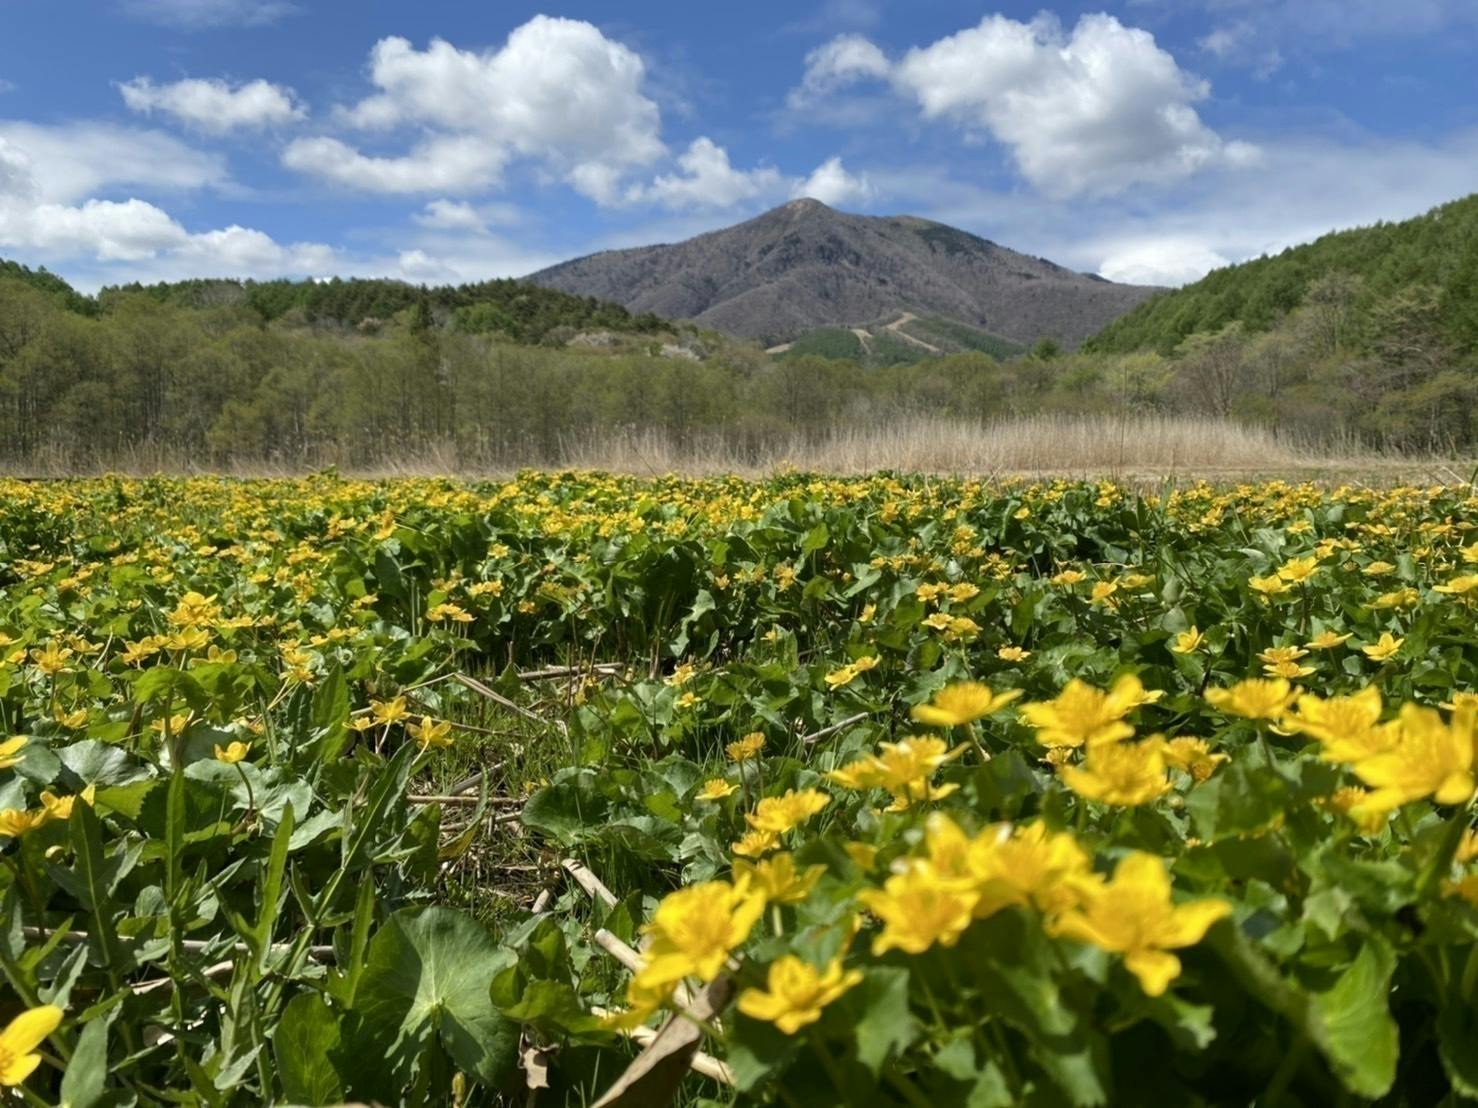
804, 265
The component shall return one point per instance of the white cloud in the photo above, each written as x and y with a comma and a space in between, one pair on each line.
558, 92
1091, 112
843, 61
832, 184
196, 15
441, 163
213, 105
451, 215
707, 180
46, 174
71, 161
1306, 186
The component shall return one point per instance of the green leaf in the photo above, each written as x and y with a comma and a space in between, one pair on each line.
1360, 1037
877, 1011
305, 1043
1239, 800
87, 1072
96, 877
428, 976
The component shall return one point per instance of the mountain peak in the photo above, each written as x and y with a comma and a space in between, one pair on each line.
805, 265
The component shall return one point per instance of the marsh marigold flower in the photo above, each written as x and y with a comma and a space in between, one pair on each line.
779, 814
1133, 915
1083, 714
1254, 698
1187, 641
778, 879
962, 703
918, 909
1193, 756
694, 929
1123, 774
795, 992
1383, 648
1347, 727
430, 732
1327, 640
1430, 758
715, 788
232, 753
21, 1037
10, 751
746, 748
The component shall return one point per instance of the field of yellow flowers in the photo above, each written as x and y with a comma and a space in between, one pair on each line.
578, 789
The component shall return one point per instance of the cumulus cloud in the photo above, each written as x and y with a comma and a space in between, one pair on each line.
843, 61
706, 179
832, 184
213, 106
558, 93
1091, 112
451, 215
70, 161
197, 15
442, 163
45, 174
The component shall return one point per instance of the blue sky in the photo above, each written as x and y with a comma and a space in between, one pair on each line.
1145, 140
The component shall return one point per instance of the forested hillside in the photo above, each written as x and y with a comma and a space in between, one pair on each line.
1436, 253
517, 309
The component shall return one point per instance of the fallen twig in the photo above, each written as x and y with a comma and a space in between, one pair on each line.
593, 886
827, 732
195, 946
656, 1073
517, 709
705, 1064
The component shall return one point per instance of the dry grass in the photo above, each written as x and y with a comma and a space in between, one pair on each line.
1142, 446
1068, 445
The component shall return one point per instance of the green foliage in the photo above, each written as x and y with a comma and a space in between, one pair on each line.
1439, 249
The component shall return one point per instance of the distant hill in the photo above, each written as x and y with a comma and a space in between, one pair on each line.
804, 266
1438, 249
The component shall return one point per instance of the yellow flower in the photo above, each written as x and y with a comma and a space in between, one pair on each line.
1103, 593
687, 700
918, 909
795, 992
1013, 654
1030, 864
1298, 570
15, 822
1385, 647
10, 751
232, 753
1347, 727
453, 612
752, 844
839, 678
1125, 774
1068, 577
1327, 640
1269, 586
21, 1037
868, 612
1462, 699
1254, 698
429, 732
962, 703
778, 814
52, 660
1187, 641
694, 929
386, 712
1401, 598
1082, 714
1354, 802
747, 747
1459, 586
1193, 756
715, 788
778, 879
682, 674
1133, 915
1430, 758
